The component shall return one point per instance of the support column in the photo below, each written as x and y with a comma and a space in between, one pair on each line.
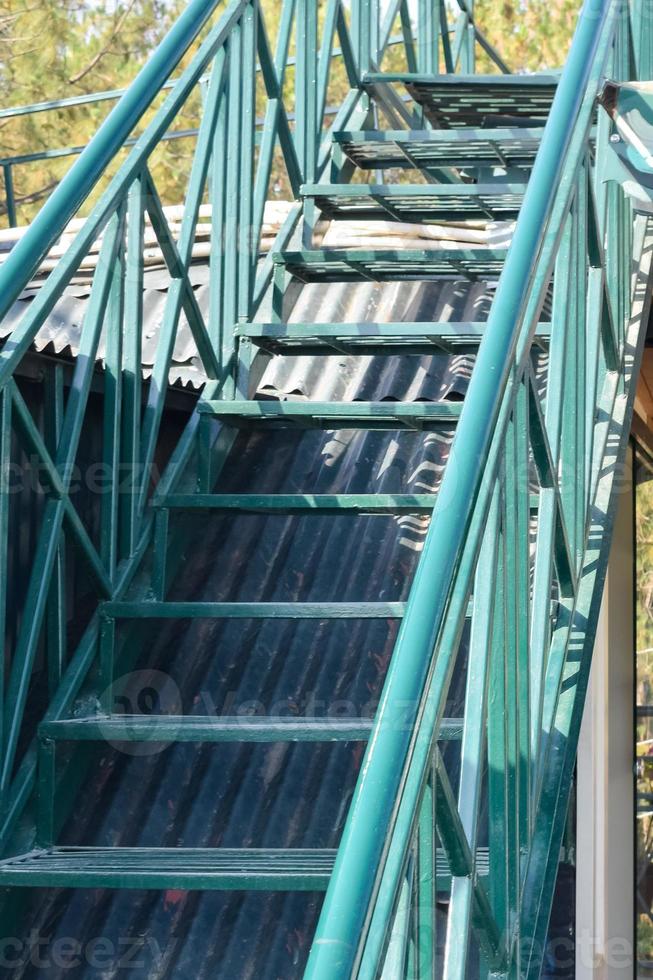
605, 811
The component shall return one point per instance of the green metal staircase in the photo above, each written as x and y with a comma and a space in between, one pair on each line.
520, 526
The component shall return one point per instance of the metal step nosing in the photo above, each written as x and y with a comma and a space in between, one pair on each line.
187, 728
452, 333
331, 504
245, 728
252, 610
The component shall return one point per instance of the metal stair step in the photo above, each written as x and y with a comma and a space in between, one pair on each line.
189, 728
216, 868
473, 100
371, 338
469, 147
391, 265
253, 610
188, 868
304, 503
240, 728
417, 202
334, 415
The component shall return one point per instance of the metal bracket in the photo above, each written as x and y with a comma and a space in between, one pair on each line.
630, 162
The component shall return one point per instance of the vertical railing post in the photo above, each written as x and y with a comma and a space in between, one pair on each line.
361, 24
428, 29
10, 196
55, 614
247, 245
5, 489
217, 329
642, 36
468, 52
375, 33
306, 124
306, 88
426, 890
113, 405
247, 241
131, 370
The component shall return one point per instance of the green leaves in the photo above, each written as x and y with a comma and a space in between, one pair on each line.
55, 49
531, 35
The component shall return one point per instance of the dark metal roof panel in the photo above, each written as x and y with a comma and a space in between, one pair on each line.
266, 795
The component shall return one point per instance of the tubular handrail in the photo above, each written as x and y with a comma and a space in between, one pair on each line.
349, 899
82, 177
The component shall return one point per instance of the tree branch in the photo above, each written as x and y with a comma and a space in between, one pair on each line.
105, 50
32, 197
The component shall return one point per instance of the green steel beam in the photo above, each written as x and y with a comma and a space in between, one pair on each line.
253, 610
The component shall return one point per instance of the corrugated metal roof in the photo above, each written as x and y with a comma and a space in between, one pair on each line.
278, 795
266, 795
60, 334
373, 378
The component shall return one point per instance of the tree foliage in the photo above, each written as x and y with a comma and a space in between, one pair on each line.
532, 35
54, 49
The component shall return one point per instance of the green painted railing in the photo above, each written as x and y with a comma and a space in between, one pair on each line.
528, 659
10, 163
534, 584
234, 49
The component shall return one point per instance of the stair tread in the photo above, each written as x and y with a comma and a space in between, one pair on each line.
377, 338
466, 100
253, 610
333, 503
193, 728
303, 503
470, 147
216, 728
423, 329
310, 414
184, 867
206, 868
417, 202
328, 409
383, 265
